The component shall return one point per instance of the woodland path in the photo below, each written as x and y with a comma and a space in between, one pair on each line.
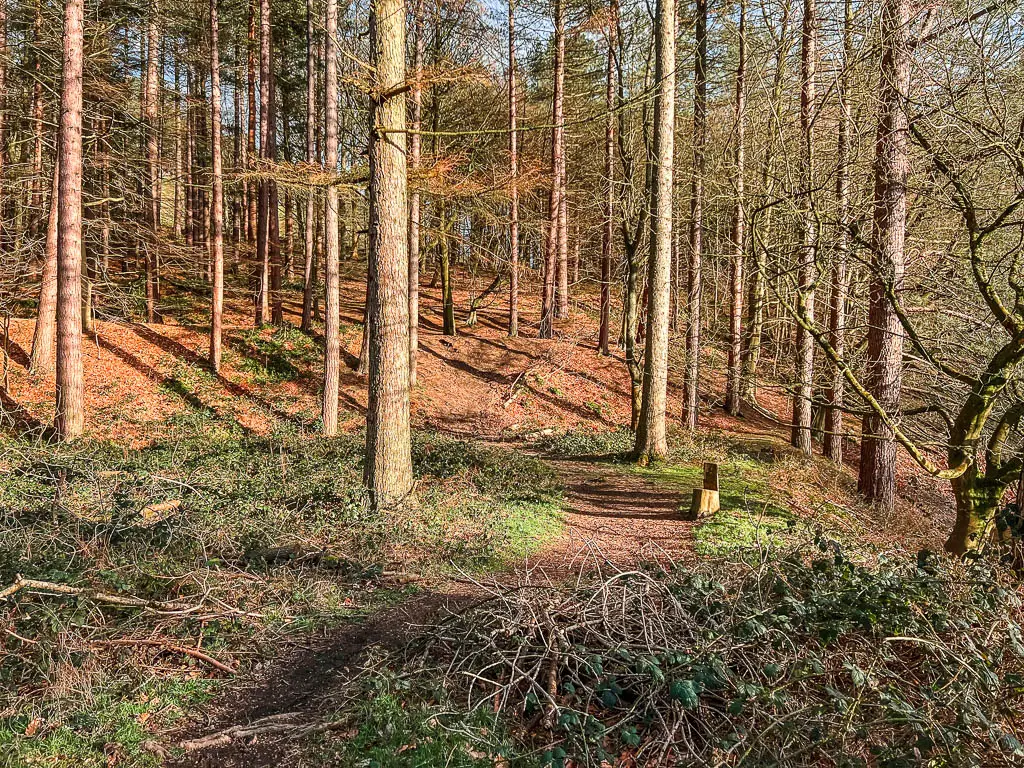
614, 519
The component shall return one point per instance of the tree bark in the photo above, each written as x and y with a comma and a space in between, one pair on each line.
608, 228
252, 213
807, 268
651, 442
217, 211
263, 205
551, 251
46, 317
332, 321
884, 364
152, 113
414, 197
308, 272
388, 468
733, 394
69, 420
691, 407
833, 425
513, 156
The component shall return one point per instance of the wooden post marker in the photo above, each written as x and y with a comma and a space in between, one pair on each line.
706, 500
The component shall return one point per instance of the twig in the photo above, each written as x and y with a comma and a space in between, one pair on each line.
195, 653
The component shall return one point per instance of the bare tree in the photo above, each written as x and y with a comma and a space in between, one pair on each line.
388, 468
152, 115
807, 268
733, 394
548, 308
691, 405
308, 271
332, 299
416, 93
884, 372
833, 439
46, 312
217, 212
263, 233
651, 442
69, 420
513, 158
608, 228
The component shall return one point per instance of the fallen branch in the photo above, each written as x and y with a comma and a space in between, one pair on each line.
195, 653
282, 723
127, 601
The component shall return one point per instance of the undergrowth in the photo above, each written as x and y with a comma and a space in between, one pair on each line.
802, 659
251, 537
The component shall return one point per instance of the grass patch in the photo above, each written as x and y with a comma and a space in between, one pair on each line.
577, 443
263, 535
281, 356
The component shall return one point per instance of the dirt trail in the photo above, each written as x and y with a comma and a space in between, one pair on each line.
614, 520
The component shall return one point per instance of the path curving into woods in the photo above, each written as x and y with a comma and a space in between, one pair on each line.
614, 519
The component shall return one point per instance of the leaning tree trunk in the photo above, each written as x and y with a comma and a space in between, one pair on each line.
513, 154
833, 440
733, 395
884, 372
693, 309
388, 468
217, 212
332, 246
807, 269
70, 413
651, 442
46, 314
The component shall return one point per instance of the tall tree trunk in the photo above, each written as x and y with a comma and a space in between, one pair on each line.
562, 271
152, 112
651, 442
179, 198
807, 270
274, 211
414, 196
69, 420
38, 116
308, 271
263, 208
444, 247
608, 228
217, 212
332, 322
513, 155
551, 251
252, 214
733, 394
758, 293
388, 472
691, 407
46, 318
884, 363
3, 133
833, 441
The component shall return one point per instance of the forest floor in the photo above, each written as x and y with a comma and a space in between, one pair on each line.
544, 495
